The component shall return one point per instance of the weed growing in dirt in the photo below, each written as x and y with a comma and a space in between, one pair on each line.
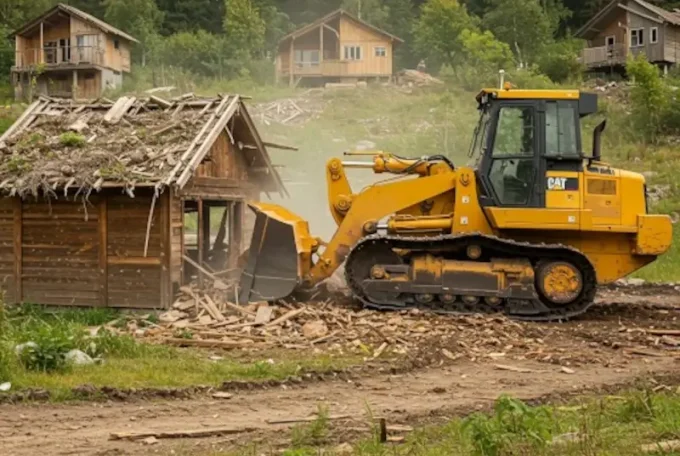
72, 139
312, 434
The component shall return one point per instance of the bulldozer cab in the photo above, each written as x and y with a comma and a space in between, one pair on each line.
524, 139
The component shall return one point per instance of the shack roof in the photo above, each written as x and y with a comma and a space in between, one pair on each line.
605, 15
132, 142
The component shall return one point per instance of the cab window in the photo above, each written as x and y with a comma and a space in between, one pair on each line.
513, 166
560, 129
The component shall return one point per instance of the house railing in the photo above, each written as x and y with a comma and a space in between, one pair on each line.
59, 56
325, 68
604, 55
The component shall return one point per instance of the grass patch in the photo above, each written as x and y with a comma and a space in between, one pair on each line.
609, 425
126, 362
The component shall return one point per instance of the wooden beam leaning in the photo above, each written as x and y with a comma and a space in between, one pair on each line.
200, 154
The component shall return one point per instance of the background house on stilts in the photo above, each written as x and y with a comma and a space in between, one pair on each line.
96, 198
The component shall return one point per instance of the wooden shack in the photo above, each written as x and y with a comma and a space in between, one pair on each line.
98, 198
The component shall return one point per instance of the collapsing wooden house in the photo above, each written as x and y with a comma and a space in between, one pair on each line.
98, 198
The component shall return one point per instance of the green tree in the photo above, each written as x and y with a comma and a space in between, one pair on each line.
372, 11
191, 15
277, 23
401, 16
244, 28
437, 32
483, 57
649, 97
522, 24
140, 18
559, 60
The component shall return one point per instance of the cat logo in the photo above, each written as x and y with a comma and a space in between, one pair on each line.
557, 183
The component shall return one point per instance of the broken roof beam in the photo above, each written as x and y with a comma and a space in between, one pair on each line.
16, 126
119, 109
229, 112
279, 146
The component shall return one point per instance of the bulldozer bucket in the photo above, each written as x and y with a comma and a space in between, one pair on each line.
280, 254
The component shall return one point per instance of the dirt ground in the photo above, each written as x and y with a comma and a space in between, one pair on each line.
605, 348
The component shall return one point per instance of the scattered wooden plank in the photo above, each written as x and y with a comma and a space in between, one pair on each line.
205, 343
160, 101
166, 129
212, 309
286, 317
307, 419
663, 332
237, 308
521, 370
643, 352
264, 315
179, 434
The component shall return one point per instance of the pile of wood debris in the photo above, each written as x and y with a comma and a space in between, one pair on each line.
290, 111
416, 78
336, 325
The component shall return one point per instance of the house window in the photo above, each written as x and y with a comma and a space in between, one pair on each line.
352, 52
380, 51
654, 35
116, 44
306, 58
637, 37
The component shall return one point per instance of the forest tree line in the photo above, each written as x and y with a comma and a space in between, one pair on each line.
235, 38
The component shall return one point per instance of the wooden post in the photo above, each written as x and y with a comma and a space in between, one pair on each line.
41, 54
103, 252
18, 252
166, 250
206, 230
199, 238
74, 95
321, 47
236, 217
182, 247
291, 63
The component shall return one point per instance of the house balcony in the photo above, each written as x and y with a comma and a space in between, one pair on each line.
603, 56
59, 57
327, 68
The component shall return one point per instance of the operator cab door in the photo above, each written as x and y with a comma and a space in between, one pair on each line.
510, 167
562, 160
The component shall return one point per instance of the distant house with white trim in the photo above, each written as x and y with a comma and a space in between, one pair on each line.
339, 47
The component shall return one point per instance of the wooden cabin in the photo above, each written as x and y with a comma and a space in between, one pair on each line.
339, 47
118, 205
626, 28
70, 54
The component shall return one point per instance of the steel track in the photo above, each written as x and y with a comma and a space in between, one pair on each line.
529, 310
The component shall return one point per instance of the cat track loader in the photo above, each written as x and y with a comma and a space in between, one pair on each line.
529, 231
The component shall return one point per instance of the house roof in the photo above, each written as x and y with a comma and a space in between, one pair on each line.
333, 15
129, 143
670, 17
70, 10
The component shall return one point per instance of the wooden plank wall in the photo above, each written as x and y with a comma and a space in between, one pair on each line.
176, 240
7, 271
67, 253
224, 161
60, 253
133, 279
354, 34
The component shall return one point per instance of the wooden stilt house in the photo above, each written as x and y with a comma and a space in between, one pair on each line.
100, 199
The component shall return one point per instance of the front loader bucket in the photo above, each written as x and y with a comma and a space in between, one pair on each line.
280, 254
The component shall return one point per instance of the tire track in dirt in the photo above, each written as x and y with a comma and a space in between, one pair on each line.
84, 429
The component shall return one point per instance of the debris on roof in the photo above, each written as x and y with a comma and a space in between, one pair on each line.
132, 142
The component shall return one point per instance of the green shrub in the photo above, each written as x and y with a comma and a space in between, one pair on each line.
650, 97
6, 359
46, 352
72, 139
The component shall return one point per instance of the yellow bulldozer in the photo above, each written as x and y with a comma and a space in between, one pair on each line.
529, 230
